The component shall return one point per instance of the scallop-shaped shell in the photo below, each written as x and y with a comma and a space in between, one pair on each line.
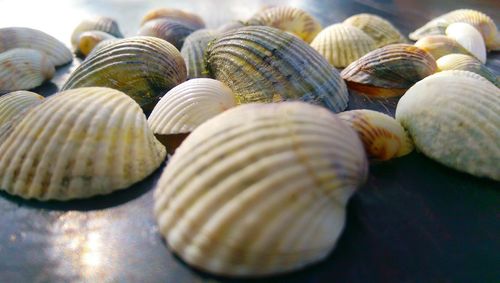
382, 136
22, 68
395, 67
264, 64
468, 36
440, 45
230, 26
466, 63
260, 189
461, 73
290, 19
89, 39
103, 24
192, 20
143, 67
342, 44
19, 37
455, 120
167, 29
77, 144
14, 103
381, 30
193, 52
484, 24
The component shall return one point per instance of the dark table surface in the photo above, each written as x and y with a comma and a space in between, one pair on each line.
414, 220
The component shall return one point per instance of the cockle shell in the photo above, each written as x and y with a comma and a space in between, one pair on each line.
103, 24
382, 136
264, 64
379, 29
440, 45
22, 68
260, 189
143, 67
14, 103
389, 70
192, 20
167, 29
342, 44
19, 37
89, 39
455, 120
193, 52
290, 19
460, 73
468, 36
77, 144
466, 63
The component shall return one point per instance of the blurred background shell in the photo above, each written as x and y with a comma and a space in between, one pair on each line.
260, 189
99, 23
468, 36
89, 39
378, 28
170, 30
440, 45
14, 103
191, 20
193, 52
466, 63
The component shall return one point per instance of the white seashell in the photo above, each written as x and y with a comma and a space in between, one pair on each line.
469, 37
466, 63
461, 73
14, 103
378, 28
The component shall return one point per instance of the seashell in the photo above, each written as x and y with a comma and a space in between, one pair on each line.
167, 29
89, 39
193, 52
77, 144
455, 120
143, 67
290, 19
440, 45
18, 37
100, 45
383, 137
192, 20
342, 44
23, 68
230, 26
379, 29
260, 189
467, 36
484, 24
466, 63
389, 70
461, 73
264, 64
103, 24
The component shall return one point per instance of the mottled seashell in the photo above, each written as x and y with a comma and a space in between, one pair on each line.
167, 29
14, 103
289, 19
192, 20
382, 136
103, 24
455, 120
389, 70
342, 44
77, 144
440, 45
264, 64
143, 67
22, 68
230, 26
89, 39
193, 52
468, 36
466, 63
260, 189
381, 30
19, 37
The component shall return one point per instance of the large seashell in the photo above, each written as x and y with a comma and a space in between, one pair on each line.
22, 68
455, 120
389, 70
193, 52
264, 64
18, 37
342, 44
103, 24
466, 63
468, 36
381, 30
440, 45
167, 29
143, 67
89, 39
460, 73
192, 20
382, 136
290, 19
11, 104
77, 144
260, 189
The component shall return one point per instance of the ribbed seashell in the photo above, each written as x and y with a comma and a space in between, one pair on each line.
264, 64
170, 30
260, 189
382, 136
89, 39
103, 24
101, 44
455, 120
77, 144
484, 24
461, 73
11, 104
290, 19
22, 68
468, 36
466, 63
193, 52
143, 67
379, 29
342, 44
192, 20
440, 45
230, 26
389, 70
19, 37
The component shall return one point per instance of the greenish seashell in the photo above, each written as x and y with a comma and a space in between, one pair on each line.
193, 52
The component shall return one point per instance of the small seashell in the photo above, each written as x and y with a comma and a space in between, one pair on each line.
389, 70
11, 104
89, 39
77, 144
260, 189
230, 26
192, 20
193, 52
103, 24
466, 63
440, 45
22, 68
264, 64
382, 136
167, 29
290, 19
342, 44
468, 36
18, 37
455, 120
379, 29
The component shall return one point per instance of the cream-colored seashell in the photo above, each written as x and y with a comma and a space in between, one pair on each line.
22, 68
440, 45
103, 24
14, 103
382, 136
461, 73
342, 44
192, 20
466, 63
89, 39
455, 120
381, 30
19, 37
260, 189
468, 36
193, 52
77, 144
167, 29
